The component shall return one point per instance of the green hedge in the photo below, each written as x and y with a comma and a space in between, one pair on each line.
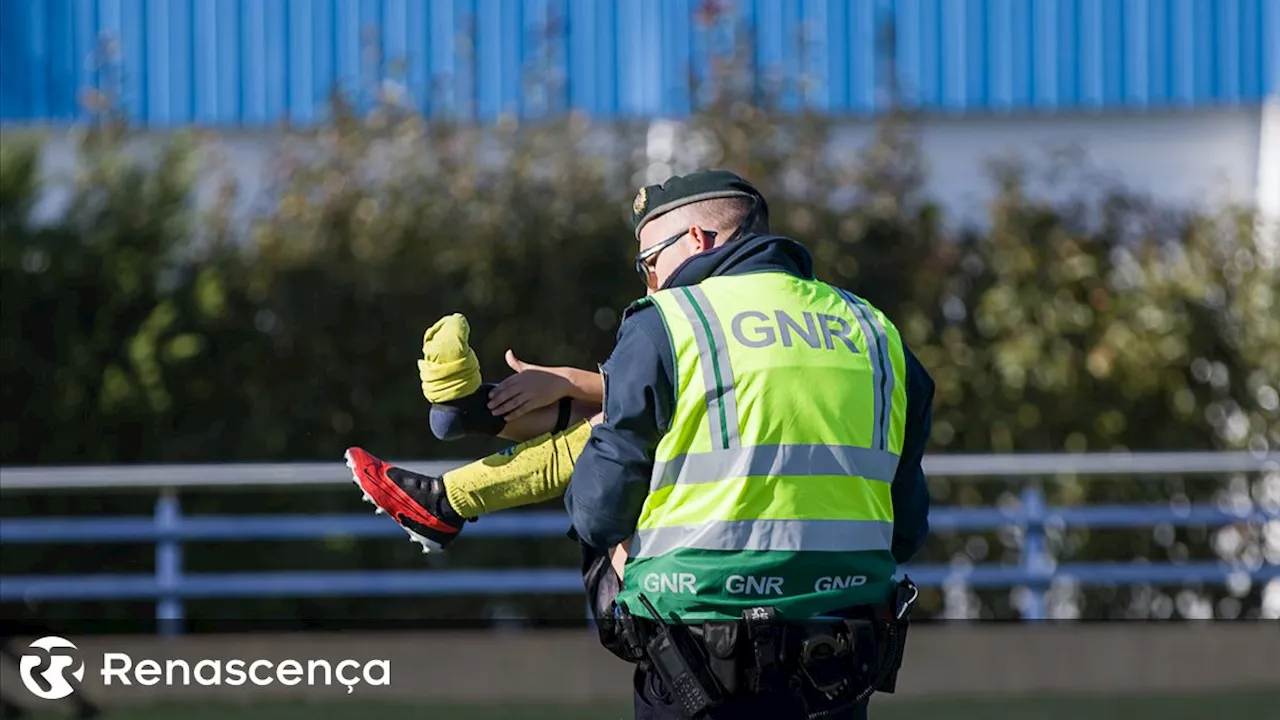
139, 325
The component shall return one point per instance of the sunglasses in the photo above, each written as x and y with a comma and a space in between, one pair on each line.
646, 259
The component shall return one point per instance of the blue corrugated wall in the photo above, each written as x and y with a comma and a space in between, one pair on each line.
257, 62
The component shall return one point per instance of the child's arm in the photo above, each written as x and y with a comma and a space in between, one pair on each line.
535, 386
546, 419
587, 385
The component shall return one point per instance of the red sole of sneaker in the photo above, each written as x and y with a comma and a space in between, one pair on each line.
385, 496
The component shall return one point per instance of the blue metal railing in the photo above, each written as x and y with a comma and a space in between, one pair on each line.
168, 528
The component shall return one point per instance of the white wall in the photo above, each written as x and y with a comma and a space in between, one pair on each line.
1187, 157
1192, 158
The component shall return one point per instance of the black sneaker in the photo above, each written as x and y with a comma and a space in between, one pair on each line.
416, 502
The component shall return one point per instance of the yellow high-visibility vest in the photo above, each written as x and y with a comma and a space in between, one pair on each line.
772, 485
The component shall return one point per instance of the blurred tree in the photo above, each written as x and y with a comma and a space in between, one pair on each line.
111, 310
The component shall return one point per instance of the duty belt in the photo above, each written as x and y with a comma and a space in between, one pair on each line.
832, 663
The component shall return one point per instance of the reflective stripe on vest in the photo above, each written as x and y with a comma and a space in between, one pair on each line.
797, 535
775, 460
717, 373
882, 377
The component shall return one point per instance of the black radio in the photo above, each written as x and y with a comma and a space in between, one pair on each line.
682, 667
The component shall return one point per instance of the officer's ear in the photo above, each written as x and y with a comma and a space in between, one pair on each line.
704, 239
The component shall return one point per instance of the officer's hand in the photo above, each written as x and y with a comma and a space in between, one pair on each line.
618, 556
532, 387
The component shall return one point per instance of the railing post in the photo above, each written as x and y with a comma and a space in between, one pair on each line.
169, 611
1035, 558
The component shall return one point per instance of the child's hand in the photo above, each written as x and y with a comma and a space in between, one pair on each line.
532, 387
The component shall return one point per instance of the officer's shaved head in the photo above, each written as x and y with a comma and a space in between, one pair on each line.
670, 229
722, 215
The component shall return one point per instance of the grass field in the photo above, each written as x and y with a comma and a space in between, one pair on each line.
1244, 704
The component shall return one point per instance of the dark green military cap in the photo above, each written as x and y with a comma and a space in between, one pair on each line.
681, 190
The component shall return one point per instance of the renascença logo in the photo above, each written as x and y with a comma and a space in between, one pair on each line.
56, 658
45, 671
116, 667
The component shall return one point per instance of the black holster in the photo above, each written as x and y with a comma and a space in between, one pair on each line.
721, 640
617, 632
892, 635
